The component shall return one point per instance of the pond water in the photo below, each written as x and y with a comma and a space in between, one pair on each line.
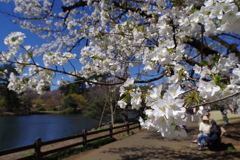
16, 131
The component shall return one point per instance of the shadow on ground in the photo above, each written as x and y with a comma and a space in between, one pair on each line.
226, 150
148, 153
233, 131
153, 135
233, 134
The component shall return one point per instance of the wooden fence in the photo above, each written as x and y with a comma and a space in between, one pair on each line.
38, 143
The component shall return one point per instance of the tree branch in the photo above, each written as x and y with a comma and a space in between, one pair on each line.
197, 44
232, 47
191, 61
202, 104
144, 81
76, 5
116, 4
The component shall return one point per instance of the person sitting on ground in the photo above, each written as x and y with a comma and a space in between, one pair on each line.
213, 136
215, 133
204, 128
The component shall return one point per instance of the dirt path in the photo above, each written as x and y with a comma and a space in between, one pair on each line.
149, 145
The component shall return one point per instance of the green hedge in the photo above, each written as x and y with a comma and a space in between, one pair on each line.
41, 109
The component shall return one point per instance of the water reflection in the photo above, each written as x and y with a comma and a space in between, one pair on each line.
16, 131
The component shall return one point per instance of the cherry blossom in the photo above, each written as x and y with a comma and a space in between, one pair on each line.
191, 47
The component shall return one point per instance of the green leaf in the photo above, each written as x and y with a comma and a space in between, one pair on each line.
217, 58
96, 57
141, 29
120, 28
204, 63
171, 50
193, 10
208, 13
30, 53
217, 79
13, 39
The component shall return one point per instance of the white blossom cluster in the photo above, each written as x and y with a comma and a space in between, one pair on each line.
166, 113
153, 38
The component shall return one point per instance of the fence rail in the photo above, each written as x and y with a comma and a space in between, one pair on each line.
85, 134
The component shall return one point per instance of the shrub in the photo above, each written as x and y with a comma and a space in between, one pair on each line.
70, 110
28, 154
2, 102
37, 102
41, 109
55, 109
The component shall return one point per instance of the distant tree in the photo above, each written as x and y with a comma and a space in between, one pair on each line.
78, 87
28, 96
69, 89
10, 97
75, 101
70, 102
98, 97
38, 102
81, 86
96, 102
52, 104
51, 94
95, 109
52, 100
81, 101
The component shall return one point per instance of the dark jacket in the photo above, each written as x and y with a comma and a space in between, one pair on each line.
214, 134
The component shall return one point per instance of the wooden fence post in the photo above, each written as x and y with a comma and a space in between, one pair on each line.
111, 130
84, 137
38, 143
139, 125
128, 128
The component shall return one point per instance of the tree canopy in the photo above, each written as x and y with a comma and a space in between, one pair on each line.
192, 45
9, 99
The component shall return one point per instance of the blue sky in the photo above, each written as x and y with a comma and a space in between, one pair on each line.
7, 26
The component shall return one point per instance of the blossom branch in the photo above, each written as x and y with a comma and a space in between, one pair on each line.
221, 99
